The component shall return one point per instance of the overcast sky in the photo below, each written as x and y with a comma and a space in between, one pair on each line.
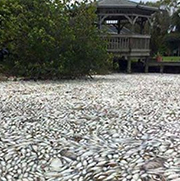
144, 0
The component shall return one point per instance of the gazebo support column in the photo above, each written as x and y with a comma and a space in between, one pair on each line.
147, 65
142, 24
119, 26
129, 65
161, 69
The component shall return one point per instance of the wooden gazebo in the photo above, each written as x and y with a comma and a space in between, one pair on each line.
126, 21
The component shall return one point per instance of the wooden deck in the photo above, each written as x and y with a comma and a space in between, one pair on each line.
128, 45
161, 65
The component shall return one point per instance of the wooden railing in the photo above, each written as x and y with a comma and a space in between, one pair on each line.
134, 45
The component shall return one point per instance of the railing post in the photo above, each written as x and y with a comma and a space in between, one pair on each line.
161, 68
130, 44
129, 65
147, 65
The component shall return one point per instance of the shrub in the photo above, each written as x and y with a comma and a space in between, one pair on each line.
51, 39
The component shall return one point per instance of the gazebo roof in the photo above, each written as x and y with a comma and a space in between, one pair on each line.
116, 3
123, 4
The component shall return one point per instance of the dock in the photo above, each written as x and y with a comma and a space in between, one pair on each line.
161, 65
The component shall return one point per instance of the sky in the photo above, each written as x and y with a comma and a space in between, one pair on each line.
144, 0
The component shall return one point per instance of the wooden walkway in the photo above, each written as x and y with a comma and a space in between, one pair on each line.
161, 65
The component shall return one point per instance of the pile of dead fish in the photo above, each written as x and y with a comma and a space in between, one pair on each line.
114, 127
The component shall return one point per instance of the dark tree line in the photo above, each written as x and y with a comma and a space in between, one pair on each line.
166, 27
49, 39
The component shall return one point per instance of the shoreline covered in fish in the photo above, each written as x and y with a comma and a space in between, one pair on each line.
114, 127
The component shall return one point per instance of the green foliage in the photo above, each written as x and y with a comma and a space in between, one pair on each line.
171, 59
172, 39
176, 20
51, 38
161, 24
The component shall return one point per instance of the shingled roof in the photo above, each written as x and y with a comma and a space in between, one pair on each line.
116, 3
123, 4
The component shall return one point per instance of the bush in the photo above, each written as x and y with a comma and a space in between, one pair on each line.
51, 39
